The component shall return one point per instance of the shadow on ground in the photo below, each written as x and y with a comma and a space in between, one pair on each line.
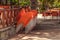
42, 31
47, 30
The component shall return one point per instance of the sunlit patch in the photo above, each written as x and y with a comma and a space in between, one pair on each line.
47, 34
35, 38
37, 33
39, 16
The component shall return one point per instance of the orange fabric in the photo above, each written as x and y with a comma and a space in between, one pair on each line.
20, 14
26, 16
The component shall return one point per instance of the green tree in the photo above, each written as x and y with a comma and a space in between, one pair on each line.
56, 3
24, 2
48, 4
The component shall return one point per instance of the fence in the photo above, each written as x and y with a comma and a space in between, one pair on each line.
7, 22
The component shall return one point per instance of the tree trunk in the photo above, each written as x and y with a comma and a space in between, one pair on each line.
33, 4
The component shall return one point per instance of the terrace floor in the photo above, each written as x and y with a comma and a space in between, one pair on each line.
47, 30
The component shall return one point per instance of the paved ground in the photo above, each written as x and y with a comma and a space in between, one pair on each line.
42, 31
39, 35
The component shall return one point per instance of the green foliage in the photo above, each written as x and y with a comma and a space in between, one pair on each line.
51, 3
56, 3
47, 4
24, 2
21, 2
